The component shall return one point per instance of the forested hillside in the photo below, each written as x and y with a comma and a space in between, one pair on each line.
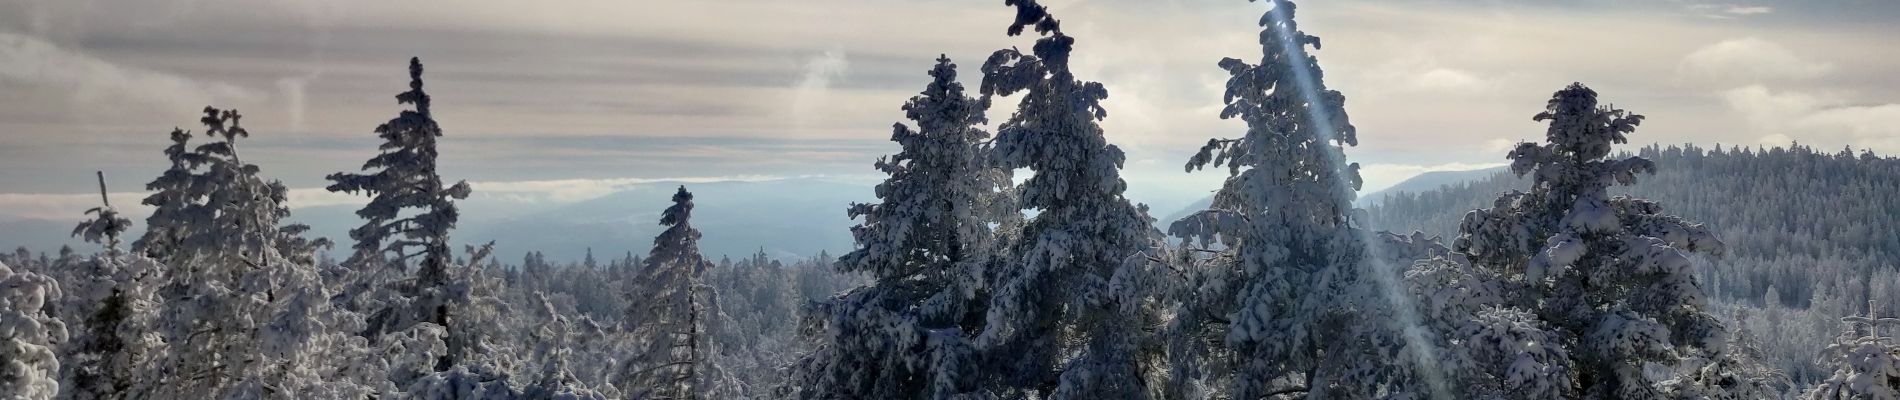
1812, 234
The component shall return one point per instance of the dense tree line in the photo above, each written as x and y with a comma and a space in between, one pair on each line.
1582, 273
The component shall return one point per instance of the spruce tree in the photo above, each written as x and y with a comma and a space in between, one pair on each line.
409, 215
109, 300
170, 200
1068, 318
927, 243
1607, 277
1290, 306
671, 314
106, 224
29, 366
1865, 358
242, 309
404, 177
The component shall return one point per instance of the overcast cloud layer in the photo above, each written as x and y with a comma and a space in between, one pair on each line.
594, 90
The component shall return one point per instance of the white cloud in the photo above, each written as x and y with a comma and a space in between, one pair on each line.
1823, 118
1749, 10
59, 206
812, 93
69, 206
574, 190
1500, 145
1748, 61
97, 83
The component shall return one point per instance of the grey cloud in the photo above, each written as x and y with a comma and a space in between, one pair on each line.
601, 88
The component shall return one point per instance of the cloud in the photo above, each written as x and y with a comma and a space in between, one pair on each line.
1820, 118
1746, 61
1500, 145
812, 93
101, 85
1729, 11
575, 190
61, 206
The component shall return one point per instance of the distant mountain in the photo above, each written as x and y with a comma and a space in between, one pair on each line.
1420, 183
1428, 181
40, 235
788, 218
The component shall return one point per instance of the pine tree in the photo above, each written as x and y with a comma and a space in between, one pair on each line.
29, 366
171, 200
110, 300
106, 225
671, 314
1865, 358
928, 243
404, 176
410, 214
236, 315
1608, 276
1290, 306
1067, 318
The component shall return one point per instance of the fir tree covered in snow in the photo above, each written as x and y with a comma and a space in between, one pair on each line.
106, 224
1068, 317
1866, 361
1290, 306
671, 314
242, 309
109, 302
928, 243
403, 178
1576, 292
29, 366
171, 199
409, 216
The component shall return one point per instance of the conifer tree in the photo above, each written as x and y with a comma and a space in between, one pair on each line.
29, 366
109, 301
170, 200
1067, 318
404, 177
106, 225
1606, 277
409, 215
1290, 307
240, 311
1866, 360
928, 244
672, 311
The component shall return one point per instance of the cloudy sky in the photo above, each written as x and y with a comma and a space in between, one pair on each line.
567, 97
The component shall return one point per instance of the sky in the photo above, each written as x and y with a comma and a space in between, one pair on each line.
566, 99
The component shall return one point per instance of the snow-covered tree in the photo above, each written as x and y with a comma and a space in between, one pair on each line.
106, 224
240, 311
1290, 306
1608, 277
171, 200
928, 243
109, 301
671, 314
29, 366
1866, 361
403, 178
410, 214
1068, 317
